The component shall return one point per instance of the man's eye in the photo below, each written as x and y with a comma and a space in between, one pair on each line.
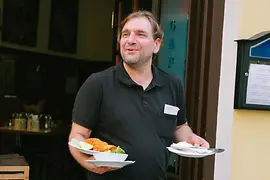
142, 35
124, 34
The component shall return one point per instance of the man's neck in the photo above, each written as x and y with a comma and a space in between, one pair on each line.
141, 75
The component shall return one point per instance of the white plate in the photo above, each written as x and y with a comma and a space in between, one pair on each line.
90, 152
114, 164
190, 154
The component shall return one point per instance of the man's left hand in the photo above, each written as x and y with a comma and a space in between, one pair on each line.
198, 141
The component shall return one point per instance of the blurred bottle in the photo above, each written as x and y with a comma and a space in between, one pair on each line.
22, 121
48, 122
35, 123
16, 121
29, 121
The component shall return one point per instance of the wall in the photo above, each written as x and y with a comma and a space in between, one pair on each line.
95, 30
243, 133
226, 90
250, 158
95, 33
254, 17
251, 128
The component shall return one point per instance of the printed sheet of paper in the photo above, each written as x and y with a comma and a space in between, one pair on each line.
258, 87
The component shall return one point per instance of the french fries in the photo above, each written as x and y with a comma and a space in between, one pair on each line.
99, 145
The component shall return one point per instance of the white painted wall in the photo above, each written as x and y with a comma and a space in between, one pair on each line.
226, 90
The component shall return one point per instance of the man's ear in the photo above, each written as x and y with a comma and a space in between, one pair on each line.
157, 45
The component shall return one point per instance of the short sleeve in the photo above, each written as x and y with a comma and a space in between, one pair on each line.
87, 103
181, 116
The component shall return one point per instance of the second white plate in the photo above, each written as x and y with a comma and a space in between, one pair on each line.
190, 154
114, 164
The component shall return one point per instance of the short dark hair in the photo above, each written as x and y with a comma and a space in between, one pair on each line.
156, 29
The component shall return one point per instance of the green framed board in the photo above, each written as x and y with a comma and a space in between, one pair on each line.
252, 85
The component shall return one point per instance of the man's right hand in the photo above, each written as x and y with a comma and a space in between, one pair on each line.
98, 170
80, 133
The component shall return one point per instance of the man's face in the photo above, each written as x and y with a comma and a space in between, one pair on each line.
137, 44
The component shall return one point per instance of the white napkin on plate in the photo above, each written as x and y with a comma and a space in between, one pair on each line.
181, 145
184, 146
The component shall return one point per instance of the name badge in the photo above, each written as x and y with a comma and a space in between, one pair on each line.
171, 110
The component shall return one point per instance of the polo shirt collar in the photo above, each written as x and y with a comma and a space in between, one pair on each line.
124, 77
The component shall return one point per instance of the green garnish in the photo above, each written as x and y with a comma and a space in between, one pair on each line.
118, 150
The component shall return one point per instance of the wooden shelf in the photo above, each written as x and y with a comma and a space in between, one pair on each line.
11, 129
49, 132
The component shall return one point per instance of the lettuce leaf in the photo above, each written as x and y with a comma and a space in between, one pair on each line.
117, 150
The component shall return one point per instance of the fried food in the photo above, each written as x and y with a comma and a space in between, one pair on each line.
99, 145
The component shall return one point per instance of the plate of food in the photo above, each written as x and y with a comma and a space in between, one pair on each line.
92, 146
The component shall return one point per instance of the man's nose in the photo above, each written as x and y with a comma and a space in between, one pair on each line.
131, 38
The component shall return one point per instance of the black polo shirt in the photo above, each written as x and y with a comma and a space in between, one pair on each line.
120, 112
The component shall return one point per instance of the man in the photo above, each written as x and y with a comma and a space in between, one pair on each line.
124, 106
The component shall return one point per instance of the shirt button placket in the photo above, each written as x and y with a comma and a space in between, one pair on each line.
144, 101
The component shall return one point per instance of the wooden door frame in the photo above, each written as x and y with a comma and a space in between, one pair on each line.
202, 80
